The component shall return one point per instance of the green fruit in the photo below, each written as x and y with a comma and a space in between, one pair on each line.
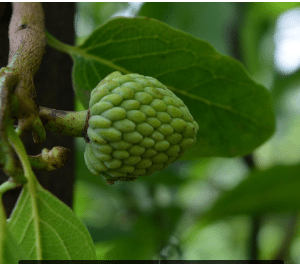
136, 127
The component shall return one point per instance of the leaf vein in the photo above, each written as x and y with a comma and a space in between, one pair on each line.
59, 237
25, 230
95, 70
30, 252
64, 219
211, 103
16, 217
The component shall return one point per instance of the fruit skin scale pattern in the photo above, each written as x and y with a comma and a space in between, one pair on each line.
136, 127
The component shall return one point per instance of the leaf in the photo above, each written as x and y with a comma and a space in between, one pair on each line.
10, 252
235, 114
206, 20
273, 190
62, 235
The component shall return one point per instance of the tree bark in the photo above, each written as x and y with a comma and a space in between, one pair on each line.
53, 84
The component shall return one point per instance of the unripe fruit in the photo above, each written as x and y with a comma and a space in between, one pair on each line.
136, 127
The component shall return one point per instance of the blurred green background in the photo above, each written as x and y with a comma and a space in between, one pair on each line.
163, 216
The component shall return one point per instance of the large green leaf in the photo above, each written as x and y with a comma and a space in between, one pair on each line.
273, 190
58, 234
235, 114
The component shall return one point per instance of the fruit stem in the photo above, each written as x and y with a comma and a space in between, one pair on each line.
67, 123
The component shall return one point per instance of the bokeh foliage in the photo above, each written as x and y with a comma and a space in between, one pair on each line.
180, 212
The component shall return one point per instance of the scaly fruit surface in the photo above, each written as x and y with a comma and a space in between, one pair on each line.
136, 127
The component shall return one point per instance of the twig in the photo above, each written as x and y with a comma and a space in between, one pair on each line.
253, 240
289, 235
17, 92
11, 164
249, 161
256, 220
27, 38
27, 41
